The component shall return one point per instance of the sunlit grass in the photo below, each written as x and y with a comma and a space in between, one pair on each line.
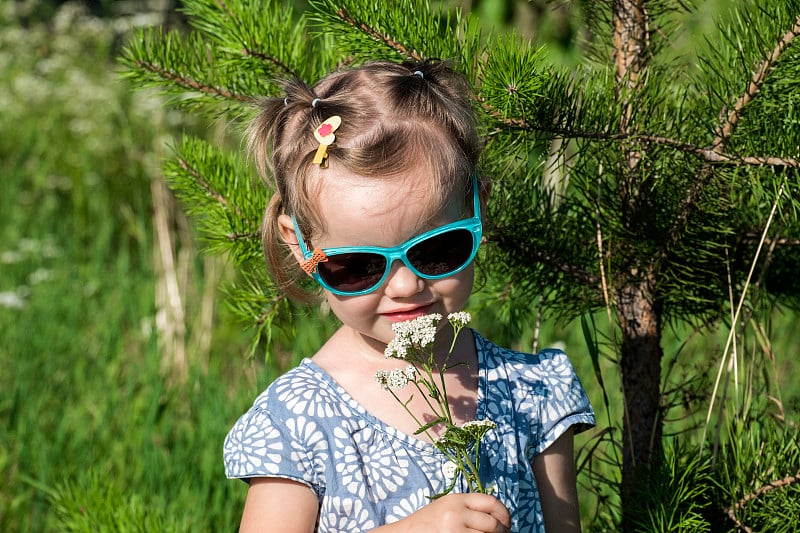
93, 434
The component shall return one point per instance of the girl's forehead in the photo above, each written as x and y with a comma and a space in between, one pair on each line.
408, 202
383, 194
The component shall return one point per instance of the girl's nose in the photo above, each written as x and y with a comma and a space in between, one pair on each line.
403, 282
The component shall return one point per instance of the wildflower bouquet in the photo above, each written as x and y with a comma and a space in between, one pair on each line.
414, 342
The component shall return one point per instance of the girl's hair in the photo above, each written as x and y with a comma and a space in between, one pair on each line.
395, 116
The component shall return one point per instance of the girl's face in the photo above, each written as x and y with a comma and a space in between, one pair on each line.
359, 211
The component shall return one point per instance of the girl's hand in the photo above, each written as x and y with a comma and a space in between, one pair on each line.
457, 513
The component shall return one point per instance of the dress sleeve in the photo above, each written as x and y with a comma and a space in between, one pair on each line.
269, 441
556, 397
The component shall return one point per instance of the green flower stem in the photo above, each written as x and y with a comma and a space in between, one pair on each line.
456, 331
443, 368
443, 401
413, 416
426, 396
473, 478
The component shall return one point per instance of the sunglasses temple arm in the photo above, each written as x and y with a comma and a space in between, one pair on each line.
303, 248
476, 200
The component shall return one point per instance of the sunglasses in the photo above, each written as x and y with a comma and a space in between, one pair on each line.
435, 254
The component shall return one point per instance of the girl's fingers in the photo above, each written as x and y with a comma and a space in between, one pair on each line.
492, 515
484, 523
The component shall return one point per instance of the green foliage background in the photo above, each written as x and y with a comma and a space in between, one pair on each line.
100, 430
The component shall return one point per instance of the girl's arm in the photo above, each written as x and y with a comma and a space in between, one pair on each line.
554, 470
279, 505
284, 506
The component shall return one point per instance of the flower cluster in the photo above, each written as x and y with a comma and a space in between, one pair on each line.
418, 333
472, 431
414, 342
397, 378
478, 425
460, 319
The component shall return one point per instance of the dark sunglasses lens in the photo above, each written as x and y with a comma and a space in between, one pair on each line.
352, 272
443, 253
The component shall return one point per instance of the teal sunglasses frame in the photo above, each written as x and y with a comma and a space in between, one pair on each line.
472, 224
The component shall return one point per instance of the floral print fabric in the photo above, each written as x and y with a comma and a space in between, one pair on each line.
305, 427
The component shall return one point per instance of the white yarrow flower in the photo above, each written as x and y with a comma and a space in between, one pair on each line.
391, 379
479, 423
460, 319
417, 333
449, 470
396, 348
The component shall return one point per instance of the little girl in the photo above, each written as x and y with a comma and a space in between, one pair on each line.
378, 200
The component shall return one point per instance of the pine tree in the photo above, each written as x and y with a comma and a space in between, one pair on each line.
634, 183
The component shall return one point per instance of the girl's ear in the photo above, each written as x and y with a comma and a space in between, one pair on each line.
289, 237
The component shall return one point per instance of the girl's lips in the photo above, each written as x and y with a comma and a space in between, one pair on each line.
409, 314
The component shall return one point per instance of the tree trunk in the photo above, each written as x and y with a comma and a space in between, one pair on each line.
638, 311
640, 324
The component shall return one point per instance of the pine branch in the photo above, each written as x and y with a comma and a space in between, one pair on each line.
729, 123
403, 29
278, 299
238, 23
188, 68
217, 189
754, 238
246, 236
709, 154
371, 32
712, 155
206, 185
225, 9
190, 83
522, 249
723, 134
738, 506
248, 52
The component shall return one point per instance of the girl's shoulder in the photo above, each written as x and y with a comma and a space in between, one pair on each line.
492, 355
539, 392
304, 385
301, 395
293, 413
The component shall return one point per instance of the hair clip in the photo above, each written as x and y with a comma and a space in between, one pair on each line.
309, 266
324, 134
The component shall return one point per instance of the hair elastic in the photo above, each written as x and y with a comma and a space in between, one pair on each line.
419, 73
314, 102
285, 101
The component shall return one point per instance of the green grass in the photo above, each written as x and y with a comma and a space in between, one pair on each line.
98, 432
94, 435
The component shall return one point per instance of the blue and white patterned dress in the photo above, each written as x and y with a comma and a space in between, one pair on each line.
306, 428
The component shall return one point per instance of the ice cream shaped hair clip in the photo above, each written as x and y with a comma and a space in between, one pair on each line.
324, 134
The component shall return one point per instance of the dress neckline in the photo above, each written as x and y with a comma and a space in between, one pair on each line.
377, 423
